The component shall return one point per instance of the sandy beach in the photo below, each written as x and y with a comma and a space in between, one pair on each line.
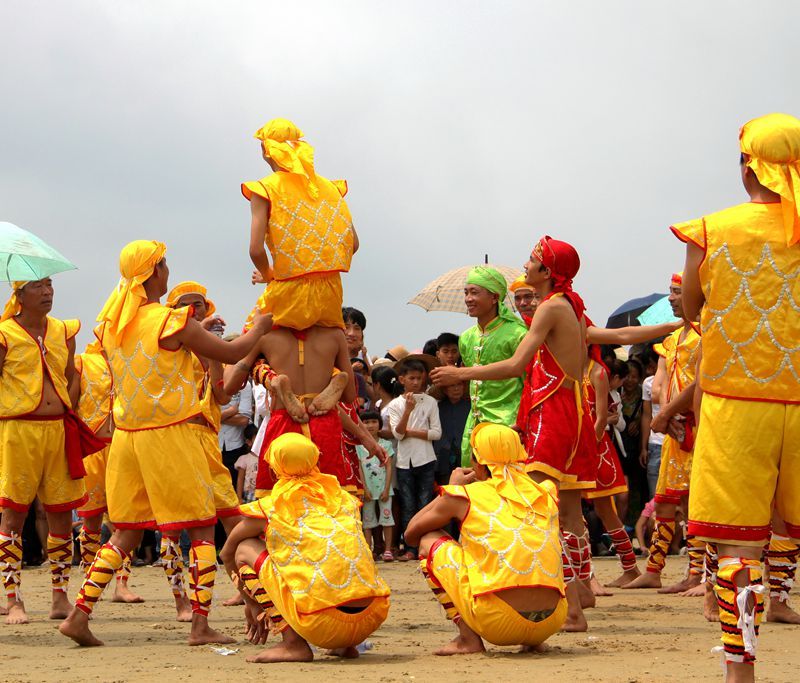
633, 636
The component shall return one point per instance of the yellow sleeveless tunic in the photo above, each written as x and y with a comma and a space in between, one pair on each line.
27, 359
96, 399
751, 335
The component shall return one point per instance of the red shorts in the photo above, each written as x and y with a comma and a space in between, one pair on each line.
560, 443
610, 479
326, 433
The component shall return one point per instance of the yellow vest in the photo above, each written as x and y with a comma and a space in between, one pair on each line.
154, 387
680, 350
322, 559
305, 235
27, 359
751, 319
96, 400
504, 551
208, 404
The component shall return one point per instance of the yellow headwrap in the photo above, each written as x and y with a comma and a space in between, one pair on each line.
281, 141
294, 459
12, 305
499, 448
520, 283
773, 144
137, 261
190, 287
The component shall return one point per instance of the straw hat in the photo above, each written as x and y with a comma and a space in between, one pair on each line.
430, 362
397, 353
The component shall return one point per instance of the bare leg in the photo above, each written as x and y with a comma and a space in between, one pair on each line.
327, 399
292, 648
663, 533
228, 523
710, 607
465, 643
283, 390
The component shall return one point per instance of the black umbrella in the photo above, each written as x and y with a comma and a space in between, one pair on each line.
627, 314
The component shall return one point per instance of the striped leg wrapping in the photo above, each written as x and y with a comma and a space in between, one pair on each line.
439, 593
89, 545
59, 554
255, 590
107, 561
696, 550
663, 533
172, 561
585, 567
11, 564
710, 564
202, 572
740, 608
124, 572
623, 547
570, 555
782, 566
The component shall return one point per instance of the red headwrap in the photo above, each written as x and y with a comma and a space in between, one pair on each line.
564, 263
677, 279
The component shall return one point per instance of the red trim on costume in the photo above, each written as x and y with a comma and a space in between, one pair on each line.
12, 505
260, 560
228, 512
684, 238
85, 514
150, 524
793, 530
193, 524
668, 499
67, 507
727, 532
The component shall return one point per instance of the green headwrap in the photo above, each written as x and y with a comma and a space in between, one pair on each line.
491, 280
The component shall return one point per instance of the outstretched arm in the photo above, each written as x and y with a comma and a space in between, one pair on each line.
599, 381
208, 345
435, 515
635, 334
343, 363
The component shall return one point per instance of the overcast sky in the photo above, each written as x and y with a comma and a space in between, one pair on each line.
463, 128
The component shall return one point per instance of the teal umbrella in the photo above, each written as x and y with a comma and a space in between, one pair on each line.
660, 312
23, 256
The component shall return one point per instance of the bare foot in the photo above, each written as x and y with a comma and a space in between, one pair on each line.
124, 594
586, 595
284, 652
235, 601
684, 585
327, 399
343, 652
296, 410
16, 614
697, 591
646, 580
736, 672
575, 623
597, 589
541, 648
710, 606
780, 613
461, 645
625, 578
3, 610
203, 634
76, 626
576, 620
61, 606
184, 609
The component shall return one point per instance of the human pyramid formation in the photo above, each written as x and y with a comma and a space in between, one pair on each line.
535, 443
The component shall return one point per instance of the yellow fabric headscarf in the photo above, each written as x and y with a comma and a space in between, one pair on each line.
773, 145
12, 305
499, 448
137, 261
520, 283
190, 287
293, 458
281, 141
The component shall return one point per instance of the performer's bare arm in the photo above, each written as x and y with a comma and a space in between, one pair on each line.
657, 391
637, 334
698, 389
647, 417
259, 224
208, 345
343, 363
435, 515
74, 389
248, 527
355, 239
682, 403
69, 371
691, 291
599, 381
3, 351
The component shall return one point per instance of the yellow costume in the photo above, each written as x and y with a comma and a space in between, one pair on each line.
747, 455
509, 539
32, 454
317, 560
309, 235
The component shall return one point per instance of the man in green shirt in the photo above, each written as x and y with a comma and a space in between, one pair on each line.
494, 338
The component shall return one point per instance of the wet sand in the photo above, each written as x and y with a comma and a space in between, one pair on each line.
633, 636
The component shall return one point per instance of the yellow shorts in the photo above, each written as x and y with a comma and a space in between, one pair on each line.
33, 463
490, 617
329, 628
302, 302
226, 501
674, 473
159, 478
95, 481
746, 460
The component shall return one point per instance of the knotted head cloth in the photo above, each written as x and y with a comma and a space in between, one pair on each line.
563, 262
137, 261
280, 140
520, 283
492, 280
13, 306
190, 287
772, 143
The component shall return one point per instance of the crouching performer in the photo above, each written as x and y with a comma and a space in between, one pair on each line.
503, 582
316, 582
